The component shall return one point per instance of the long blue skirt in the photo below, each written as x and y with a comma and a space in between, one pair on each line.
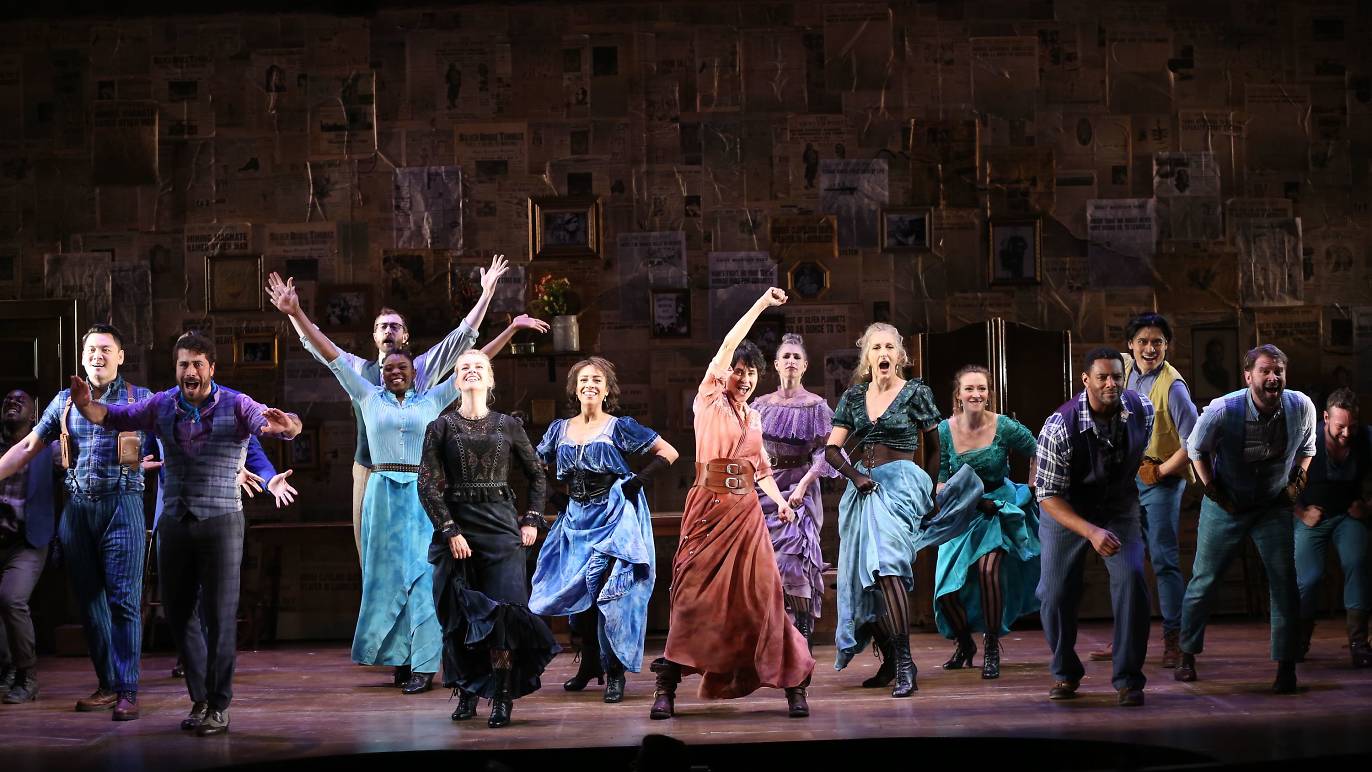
879, 535
396, 624
614, 535
1014, 529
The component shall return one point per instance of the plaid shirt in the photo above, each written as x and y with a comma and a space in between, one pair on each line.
97, 471
1055, 443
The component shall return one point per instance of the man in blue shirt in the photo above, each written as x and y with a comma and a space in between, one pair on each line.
1251, 449
26, 525
102, 531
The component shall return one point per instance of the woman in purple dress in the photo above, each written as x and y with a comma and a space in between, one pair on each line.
795, 424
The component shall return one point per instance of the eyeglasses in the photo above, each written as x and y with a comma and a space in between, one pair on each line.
387, 326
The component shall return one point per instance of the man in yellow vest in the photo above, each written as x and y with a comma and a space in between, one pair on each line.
1165, 469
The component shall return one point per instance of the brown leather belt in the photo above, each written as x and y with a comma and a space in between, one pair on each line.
790, 462
411, 468
875, 454
725, 475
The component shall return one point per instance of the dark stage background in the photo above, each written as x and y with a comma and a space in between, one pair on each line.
1058, 164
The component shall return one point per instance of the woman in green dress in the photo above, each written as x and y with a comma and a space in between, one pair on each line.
986, 576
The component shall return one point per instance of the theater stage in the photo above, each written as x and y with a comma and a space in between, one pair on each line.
300, 702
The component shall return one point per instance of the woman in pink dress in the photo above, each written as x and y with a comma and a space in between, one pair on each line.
728, 618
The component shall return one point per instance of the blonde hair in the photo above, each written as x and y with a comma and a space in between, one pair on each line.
490, 370
957, 383
863, 373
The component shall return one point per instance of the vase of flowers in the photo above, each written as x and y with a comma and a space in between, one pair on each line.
552, 299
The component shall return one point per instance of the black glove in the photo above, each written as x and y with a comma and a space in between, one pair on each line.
1215, 493
834, 455
1295, 486
634, 484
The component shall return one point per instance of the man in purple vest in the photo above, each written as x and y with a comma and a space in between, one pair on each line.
1088, 454
204, 429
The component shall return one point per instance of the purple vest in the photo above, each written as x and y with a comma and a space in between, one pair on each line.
1094, 493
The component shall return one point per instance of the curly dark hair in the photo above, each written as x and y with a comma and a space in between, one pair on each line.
400, 352
197, 342
750, 355
611, 383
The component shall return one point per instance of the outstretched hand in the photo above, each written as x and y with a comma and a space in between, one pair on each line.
249, 483
280, 423
80, 393
283, 294
526, 322
282, 491
490, 276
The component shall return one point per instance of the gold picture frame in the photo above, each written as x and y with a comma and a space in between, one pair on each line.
259, 351
808, 280
233, 283
566, 227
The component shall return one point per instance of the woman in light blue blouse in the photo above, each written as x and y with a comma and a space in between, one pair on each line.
597, 565
397, 624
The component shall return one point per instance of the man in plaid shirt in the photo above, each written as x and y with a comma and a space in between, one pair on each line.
1088, 453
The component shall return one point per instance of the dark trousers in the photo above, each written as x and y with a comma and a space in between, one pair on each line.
20, 567
1060, 588
201, 559
104, 542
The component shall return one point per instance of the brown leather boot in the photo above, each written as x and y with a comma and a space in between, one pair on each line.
100, 699
127, 707
1171, 648
664, 699
1358, 648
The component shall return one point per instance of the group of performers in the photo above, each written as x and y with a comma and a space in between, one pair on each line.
443, 546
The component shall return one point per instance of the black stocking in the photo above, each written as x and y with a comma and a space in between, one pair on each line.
895, 623
500, 659
992, 602
957, 615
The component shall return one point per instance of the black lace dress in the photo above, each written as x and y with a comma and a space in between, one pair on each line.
482, 602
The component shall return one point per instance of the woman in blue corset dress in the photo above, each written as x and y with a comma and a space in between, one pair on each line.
597, 564
986, 576
887, 513
795, 424
396, 624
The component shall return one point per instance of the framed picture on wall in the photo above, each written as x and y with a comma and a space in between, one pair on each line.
257, 351
1215, 366
906, 229
671, 310
565, 226
1015, 248
233, 283
344, 307
808, 280
303, 451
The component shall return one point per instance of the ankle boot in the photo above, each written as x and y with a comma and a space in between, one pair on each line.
418, 683
1285, 682
586, 624
796, 705
25, 688
664, 698
887, 672
1358, 648
990, 658
614, 685
466, 705
401, 675
502, 704
1307, 632
962, 655
905, 668
1171, 648
1186, 668
806, 625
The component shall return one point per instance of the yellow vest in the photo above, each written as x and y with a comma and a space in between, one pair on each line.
1166, 440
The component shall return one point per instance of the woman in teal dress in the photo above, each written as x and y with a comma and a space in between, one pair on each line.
887, 513
396, 623
986, 576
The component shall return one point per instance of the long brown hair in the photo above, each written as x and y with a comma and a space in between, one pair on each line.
957, 383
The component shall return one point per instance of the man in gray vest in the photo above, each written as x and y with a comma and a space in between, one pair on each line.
204, 429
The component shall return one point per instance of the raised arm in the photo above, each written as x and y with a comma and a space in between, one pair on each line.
770, 299
521, 322
489, 278
284, 297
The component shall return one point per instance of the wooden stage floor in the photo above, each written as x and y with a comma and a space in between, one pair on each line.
298, 702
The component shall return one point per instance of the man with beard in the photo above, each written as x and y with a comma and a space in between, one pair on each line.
1250, 449
26, 524
102, 531
391, 333
1334, 508
1088, 454
1165, 469
204, 430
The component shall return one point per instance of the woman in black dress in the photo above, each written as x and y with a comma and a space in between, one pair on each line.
493, 646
